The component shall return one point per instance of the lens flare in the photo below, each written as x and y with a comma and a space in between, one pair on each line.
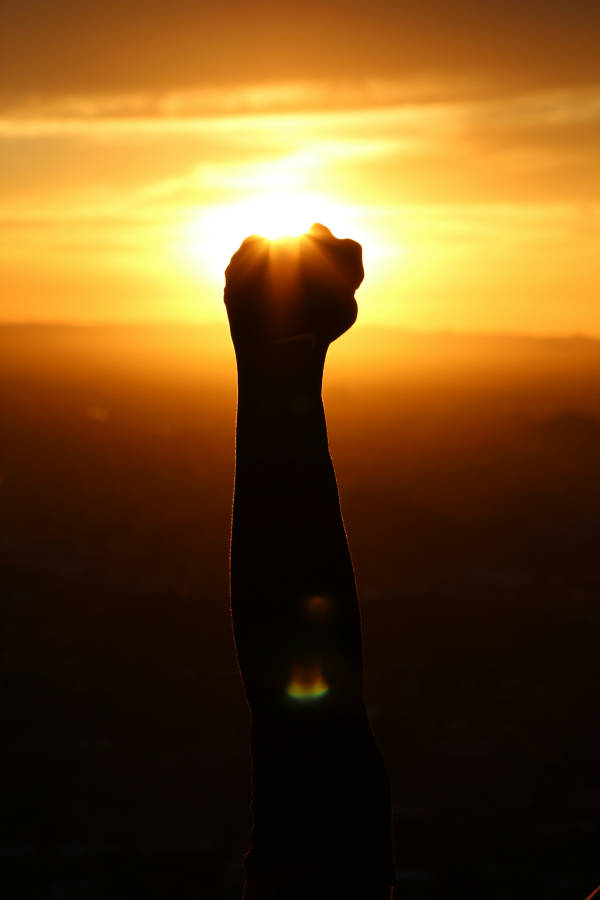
307, 682
318, 607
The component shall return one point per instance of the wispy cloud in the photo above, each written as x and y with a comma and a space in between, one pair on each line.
217, 108
241, 99
467, 196
364, 121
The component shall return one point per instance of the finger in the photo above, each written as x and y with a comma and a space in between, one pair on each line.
247, 251
344, 254
351, 252
245, 274
248, 244
250, 240
319, 231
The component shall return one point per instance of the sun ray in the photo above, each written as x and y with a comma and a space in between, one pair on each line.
208, 239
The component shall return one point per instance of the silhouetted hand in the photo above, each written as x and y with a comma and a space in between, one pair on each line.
283, 293
321, 796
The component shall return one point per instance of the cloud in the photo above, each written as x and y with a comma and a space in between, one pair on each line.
307, 95
535, 147
122, 46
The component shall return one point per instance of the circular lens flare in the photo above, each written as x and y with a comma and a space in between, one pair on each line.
307, 682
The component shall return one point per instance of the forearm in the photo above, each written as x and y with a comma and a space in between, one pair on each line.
280, 416
288, 542
320, 790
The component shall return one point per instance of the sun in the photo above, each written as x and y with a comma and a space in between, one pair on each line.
209, 239
278, 216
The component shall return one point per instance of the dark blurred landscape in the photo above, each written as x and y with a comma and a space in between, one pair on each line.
469, 470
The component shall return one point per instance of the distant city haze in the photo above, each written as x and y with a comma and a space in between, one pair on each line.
140, 143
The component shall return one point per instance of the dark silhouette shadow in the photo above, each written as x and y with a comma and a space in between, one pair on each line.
321, 805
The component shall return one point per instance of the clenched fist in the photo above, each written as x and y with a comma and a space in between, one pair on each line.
300, 290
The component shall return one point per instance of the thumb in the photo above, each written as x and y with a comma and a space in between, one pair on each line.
317, 230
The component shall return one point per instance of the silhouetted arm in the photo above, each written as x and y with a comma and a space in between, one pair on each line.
320, 791
293, 596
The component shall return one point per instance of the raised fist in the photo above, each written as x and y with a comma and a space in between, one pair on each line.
295, 289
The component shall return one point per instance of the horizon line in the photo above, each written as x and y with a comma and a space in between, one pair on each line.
372, 326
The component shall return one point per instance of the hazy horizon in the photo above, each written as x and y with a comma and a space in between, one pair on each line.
369, 328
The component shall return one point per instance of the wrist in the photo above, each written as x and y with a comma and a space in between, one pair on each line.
283, 367
280, 410
280, 396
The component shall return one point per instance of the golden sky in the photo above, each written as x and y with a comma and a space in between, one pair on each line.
139, 143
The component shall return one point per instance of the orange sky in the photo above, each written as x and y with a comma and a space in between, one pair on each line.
460, 144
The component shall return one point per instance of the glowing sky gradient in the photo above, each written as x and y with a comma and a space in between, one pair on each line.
137, 149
